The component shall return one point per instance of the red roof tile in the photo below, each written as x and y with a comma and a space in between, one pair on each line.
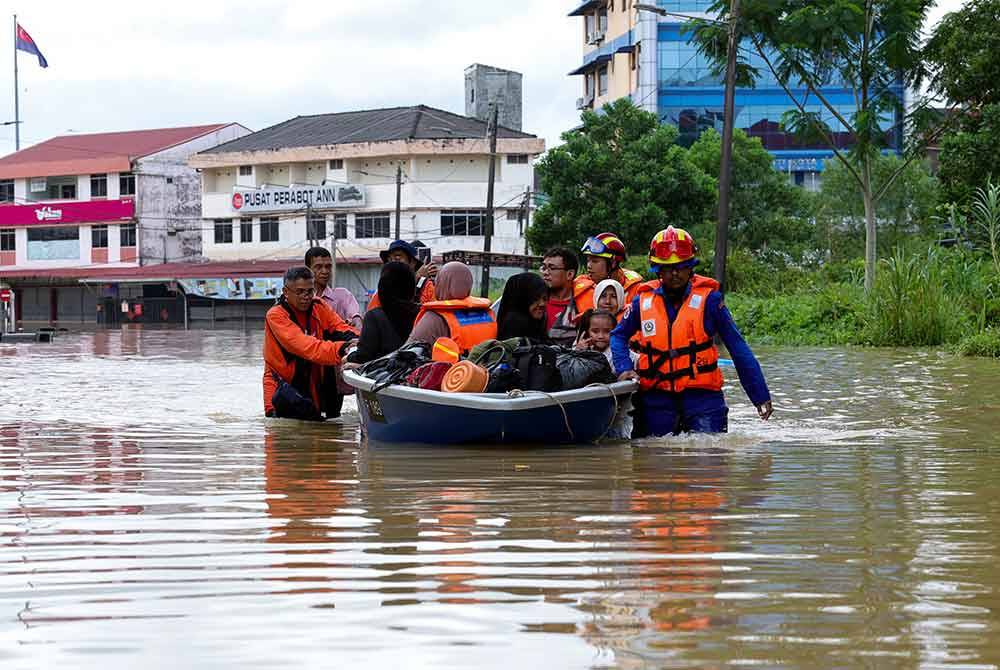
95, 153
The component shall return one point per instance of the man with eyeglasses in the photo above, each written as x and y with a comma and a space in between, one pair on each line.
303, 340
674, 325
559, 268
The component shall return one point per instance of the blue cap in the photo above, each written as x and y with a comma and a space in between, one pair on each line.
403, 245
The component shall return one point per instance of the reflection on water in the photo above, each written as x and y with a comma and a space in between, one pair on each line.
152, 517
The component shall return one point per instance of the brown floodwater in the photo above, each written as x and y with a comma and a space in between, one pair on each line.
152, 518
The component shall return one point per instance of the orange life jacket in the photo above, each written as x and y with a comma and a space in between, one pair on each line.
680, 355
470, 321
583, 293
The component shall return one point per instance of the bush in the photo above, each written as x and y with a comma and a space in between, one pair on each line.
828, 316
985, 343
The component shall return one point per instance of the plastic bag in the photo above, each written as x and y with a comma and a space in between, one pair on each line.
580, 368
393, 368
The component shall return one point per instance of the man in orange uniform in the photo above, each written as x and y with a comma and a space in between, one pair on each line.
402, 251
605, 254
674, 326
302, 338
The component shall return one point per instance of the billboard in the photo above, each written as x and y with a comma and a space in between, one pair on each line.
233, 288
297, 198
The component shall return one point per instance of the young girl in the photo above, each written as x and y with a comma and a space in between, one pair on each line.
594, 333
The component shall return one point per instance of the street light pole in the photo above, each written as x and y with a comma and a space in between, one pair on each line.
729, 113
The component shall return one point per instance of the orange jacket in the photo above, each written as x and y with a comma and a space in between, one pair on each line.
583, 289
426, 295
679, 355
470, 320
290, 343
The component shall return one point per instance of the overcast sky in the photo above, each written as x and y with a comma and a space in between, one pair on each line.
125, 65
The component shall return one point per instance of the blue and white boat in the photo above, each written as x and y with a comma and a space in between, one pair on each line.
400, 414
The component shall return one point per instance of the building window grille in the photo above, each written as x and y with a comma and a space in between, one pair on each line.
7, 190
126, 184
246, 230
316, 226
371, 225
8, 241
99, 237
463, 222
269, 229
223, 231
126, 235
98, 186
246, 170
337, 164
340, 226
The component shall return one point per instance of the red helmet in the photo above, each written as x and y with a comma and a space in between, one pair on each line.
672, 245
605, 245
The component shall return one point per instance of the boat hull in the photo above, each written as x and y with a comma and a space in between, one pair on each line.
405, 415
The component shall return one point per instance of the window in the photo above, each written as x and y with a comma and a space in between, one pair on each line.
246, 170
517, 159
602, 20
126, 184
337, 164
602, 81
371, 225
7, 240
6, 190
126, 234
316, 226
463, 222
56, 243
99, 237
269, 231
246, 229
98, 186
340, 226
223, 231
62, 190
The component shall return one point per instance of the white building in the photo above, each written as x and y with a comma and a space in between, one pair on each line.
442, 160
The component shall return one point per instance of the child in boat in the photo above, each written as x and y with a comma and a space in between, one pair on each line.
594, 334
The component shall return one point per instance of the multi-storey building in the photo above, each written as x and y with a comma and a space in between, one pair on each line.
335, 179
651, 58
78, 205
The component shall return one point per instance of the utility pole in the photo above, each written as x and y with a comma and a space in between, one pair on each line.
491, 131
17, 106
399, 193
309, 224
522, 219
725, 165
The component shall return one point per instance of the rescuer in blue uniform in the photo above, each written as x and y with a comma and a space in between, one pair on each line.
672, 324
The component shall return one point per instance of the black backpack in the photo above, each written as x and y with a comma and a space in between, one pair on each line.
537, 365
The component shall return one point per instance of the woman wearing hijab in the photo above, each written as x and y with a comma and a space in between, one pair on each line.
386, 327
453, 312
522, 308
610, 296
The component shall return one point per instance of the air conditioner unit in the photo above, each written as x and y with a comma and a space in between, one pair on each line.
585, 102
596, 37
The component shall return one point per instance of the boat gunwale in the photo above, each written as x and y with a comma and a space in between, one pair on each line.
493, 402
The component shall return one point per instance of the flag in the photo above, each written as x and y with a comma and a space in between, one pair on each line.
25, 43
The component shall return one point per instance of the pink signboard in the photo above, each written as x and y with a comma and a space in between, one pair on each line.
55, 213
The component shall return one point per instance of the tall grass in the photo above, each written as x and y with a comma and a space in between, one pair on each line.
986, 215
912, 304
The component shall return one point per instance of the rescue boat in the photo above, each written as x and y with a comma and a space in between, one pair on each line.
399, 414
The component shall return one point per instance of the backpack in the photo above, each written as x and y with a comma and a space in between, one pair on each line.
537, 365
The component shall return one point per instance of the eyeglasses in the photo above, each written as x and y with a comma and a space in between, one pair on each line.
552, 268
301, 292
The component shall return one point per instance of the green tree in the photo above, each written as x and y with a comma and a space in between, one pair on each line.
762, 199
862, 46
964, 53
622, 171
907, 205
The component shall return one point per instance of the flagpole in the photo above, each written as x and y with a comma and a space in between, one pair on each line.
17, 108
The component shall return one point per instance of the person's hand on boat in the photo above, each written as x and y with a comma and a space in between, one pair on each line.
351, 366
765, 410
628, 375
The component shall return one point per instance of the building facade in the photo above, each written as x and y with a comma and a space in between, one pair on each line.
331, 180
93, 202
651, 59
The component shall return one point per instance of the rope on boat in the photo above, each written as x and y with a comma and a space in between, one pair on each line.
518, 393
614, 416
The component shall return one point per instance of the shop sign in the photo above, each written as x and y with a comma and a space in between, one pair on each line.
298, 198
798, 164
234, 288
87, 211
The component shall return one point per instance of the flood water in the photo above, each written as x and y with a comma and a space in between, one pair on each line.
152, 518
